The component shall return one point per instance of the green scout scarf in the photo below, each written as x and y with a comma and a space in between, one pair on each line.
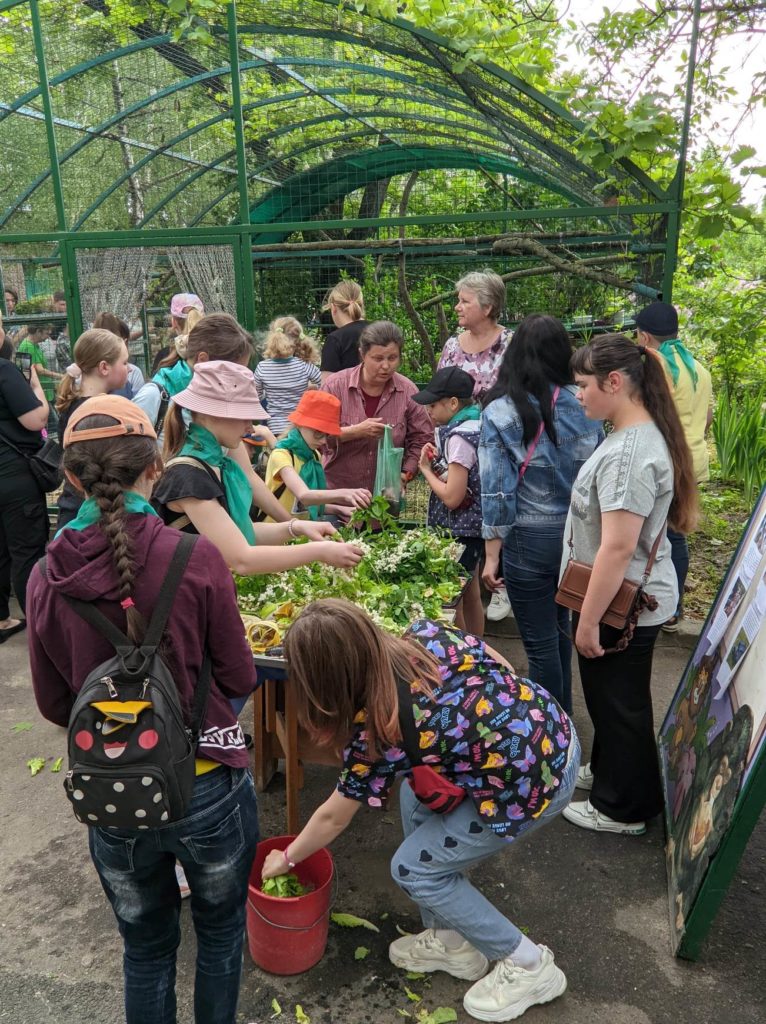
669, 349
90, 513
312, 471
174, 378
201, 444
471, 412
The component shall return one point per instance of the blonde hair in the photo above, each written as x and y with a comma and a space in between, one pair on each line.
287, 338
335, 679
187, 324
347, 296
91, 348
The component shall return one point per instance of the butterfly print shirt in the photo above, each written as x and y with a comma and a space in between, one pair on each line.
502, 738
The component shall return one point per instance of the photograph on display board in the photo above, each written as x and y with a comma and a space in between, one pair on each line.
712, 738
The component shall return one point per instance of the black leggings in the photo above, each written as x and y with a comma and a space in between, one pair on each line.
23, 534
625, 764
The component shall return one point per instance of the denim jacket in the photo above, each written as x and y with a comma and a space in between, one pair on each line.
543, 497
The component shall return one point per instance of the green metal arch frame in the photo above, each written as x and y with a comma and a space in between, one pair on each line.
346, 174
344, 137
543, 143
268, 101
222, 71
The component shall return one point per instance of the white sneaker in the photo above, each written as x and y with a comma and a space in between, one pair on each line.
585, 777
508, 990
425, 952
499, 606
585, 815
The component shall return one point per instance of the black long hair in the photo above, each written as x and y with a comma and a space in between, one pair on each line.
537, 356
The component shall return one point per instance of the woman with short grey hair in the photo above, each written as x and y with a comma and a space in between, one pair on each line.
479, 347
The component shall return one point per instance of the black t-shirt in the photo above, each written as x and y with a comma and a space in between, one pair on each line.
341, 348
69, 498
186, 481
16, 399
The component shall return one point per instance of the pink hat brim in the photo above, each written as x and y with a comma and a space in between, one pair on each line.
250, 409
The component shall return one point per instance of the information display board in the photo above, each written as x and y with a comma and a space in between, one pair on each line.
713, 745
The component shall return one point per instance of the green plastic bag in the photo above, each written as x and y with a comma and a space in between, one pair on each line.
388, 473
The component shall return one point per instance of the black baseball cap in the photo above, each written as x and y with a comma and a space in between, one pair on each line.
450, 382
658, 318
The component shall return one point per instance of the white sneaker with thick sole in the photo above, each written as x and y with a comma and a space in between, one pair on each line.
425, 952
499, 606
585, 815
585, 777
509, 990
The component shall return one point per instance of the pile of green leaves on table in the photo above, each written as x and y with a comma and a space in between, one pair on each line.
405, 574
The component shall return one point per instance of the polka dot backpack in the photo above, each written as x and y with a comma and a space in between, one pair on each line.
131, 755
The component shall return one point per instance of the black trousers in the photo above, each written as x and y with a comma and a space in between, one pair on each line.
23, 534
625, 762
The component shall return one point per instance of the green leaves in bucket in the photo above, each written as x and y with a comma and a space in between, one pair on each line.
284, 887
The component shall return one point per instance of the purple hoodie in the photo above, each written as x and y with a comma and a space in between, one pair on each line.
63, 648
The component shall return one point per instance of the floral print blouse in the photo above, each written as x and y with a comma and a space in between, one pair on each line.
482, 366
500, 737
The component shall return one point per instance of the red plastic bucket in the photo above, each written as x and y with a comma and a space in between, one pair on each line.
287, 936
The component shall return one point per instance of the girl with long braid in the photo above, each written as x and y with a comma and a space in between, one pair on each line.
636, 482
115, 553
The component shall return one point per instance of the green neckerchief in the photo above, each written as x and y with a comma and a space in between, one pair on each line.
201, 444
312, 471
90, 513
174, 378
669, 349
471, 412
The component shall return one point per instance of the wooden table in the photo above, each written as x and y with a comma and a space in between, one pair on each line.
275, 733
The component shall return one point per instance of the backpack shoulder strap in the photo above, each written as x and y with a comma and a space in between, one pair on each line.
167, 593
407, 726
94, 617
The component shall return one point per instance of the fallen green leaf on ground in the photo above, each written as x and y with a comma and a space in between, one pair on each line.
300, 1016
276, 1008
441, 1015
361, 952
412, 996
56, 766
36, 765
352, 921
21, 727
414, 975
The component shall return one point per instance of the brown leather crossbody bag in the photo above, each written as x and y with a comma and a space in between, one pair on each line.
626, 605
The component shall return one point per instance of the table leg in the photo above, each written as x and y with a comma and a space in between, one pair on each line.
264, 756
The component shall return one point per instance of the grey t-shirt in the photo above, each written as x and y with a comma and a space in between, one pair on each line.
631, 471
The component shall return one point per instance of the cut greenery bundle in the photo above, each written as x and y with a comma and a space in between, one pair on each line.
404, 575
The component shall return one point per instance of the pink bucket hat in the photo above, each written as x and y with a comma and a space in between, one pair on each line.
181, 304
219, 388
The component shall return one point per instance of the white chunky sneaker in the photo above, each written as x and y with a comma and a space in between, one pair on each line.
585, 815
499, 606
425, 952
509, 990
585, 777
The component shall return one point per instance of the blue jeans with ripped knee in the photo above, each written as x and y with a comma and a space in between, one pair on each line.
437, 849
215, 842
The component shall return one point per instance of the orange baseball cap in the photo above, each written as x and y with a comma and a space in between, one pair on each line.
318, 410
129, 420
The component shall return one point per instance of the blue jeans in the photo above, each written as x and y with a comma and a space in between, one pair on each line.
531, 563
679, 554
437, 848
215, 843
